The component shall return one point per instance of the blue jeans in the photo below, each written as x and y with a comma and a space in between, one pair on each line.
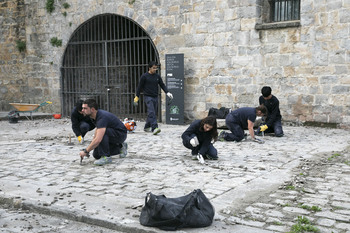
152, 108
237, 132
276, 128
111, 143
84, 128
212, 152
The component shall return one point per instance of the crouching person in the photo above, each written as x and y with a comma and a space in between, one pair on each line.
198, 138
110, 134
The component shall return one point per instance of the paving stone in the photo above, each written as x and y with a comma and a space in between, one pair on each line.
326, 222
244, 181
343, 226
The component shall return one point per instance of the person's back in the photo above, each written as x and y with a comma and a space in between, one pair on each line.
105, 119
242, 115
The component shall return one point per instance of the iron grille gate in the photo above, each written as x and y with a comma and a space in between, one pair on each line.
104, 60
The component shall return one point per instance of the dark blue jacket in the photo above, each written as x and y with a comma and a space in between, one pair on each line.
76, 119
273, 110
204, 138
149, 85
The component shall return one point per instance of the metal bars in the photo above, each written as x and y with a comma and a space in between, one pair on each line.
104, 60
285, 10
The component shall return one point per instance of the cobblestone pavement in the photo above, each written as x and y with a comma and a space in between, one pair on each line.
12, 220
254, 187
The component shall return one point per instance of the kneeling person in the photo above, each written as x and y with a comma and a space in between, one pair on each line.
239, 120
198, 138
110, 135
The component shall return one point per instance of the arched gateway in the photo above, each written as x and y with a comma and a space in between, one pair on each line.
104, 60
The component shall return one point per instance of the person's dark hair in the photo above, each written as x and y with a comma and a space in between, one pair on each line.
262, 108
91, 103
212, 122
79, 105
266, 91
152, 63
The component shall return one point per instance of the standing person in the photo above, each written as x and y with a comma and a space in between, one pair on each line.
272, 122
240, 119
80, 124
149, 82
198, 138
110, 135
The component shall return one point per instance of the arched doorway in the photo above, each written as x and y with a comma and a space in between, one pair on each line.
104, 60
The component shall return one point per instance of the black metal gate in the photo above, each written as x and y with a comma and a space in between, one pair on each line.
104, 60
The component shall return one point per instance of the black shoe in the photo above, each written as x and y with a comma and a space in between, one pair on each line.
258, 133
206, 156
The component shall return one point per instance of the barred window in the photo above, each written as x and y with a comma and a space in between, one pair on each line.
284, 10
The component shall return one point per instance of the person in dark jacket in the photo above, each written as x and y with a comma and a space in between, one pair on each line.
199, 136
80, 124
110, 134
239, 120
149, 82
272, 123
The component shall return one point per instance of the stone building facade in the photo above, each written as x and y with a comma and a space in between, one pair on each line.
230, 48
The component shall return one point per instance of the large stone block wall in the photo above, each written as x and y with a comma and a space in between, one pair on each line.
227, 60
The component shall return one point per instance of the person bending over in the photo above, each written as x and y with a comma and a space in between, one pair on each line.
80, 124
239, 120
199, 138
273, 121
110, 134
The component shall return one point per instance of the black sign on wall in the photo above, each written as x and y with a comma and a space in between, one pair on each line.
174, 72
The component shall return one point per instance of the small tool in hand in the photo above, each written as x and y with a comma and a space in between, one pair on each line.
81, 158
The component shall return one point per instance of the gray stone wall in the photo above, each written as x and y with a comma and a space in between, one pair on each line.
227, 60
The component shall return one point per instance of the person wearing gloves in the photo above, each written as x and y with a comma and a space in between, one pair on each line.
239, 120
110, 135
149, 82
199, 136
272, 123
80, 124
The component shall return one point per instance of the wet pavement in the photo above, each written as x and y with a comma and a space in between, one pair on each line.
253, 187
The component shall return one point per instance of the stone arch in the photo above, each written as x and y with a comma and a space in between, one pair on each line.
104, 60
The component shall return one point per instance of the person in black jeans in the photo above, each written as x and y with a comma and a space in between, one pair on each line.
110, 135
272, 123
239, 120
80, 124
149, 82
198, 138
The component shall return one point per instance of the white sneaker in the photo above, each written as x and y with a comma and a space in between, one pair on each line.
123, 150
103, 160
156, 131
147, 129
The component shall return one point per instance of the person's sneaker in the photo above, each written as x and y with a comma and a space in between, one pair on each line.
245, 137
103, 160
149, 129
156, 131
194, 157
258, 133
221, 136
211, 157
123, 150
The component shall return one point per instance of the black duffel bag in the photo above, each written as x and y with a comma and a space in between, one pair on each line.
219, 113
191, 210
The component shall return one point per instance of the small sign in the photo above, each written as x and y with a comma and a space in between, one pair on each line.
174, 72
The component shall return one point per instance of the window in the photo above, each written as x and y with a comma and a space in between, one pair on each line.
284, 10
